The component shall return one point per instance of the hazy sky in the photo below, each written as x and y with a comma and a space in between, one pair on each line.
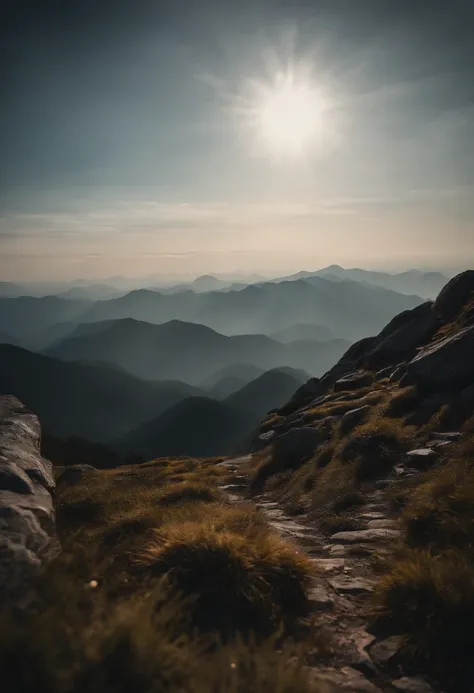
125, 148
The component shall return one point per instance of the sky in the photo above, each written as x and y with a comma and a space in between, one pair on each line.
132, 140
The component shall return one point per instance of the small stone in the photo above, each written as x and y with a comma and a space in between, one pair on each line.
93, 584
337, 550
328, 565
384, 650
372, 516
345, 679
381, 524
454, 435
408, 684
347, 585
382, 483
320, 599
365, 535
422, 452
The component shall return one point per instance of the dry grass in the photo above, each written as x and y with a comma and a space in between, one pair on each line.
239, 586
178, 572
428, 593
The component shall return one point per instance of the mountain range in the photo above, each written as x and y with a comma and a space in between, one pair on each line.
104, 404
187, 351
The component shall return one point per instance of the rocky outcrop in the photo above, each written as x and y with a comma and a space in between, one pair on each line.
447, 363
27, 527
405, 333
296, 445
74, 473
455, 295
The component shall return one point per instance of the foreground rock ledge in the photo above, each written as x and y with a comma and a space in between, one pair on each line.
27, 528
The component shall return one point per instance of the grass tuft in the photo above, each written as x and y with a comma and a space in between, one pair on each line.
237, 586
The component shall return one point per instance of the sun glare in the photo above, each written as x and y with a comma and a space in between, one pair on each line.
287, 114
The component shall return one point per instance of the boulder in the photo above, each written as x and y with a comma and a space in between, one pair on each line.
445, 364
301, 397
454, 296
296, 445
348, 585
74, 473
27, 523
385, 650
400, 338
361, 536
354, 417
412, 684
353, 381
344, 679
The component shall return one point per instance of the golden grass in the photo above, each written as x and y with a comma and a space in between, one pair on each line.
157, 571
427, 593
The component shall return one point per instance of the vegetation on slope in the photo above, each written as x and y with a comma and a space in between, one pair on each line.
162, 586
427, 594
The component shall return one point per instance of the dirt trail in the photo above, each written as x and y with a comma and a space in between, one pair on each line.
344, 579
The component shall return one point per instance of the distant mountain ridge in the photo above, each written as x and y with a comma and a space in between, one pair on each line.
186, 351
411, 282
348, 308
91, 401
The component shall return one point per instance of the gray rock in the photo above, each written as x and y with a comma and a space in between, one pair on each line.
454, 296
356, 643
409, 684
345, 679
385, 650
375, 515
448, 436
353, 381
320, 598
446, 363
12, 478
365, 535
27, 527
328, 565
267, 436
296, 445
73, 474
422, 458
348, 585
384, 523
400, 338
397, 374
354, 417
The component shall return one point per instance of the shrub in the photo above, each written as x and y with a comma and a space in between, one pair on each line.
430, 599
239, 586
440, 512
186, 492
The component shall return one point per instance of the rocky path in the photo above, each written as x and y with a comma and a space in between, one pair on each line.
344, 579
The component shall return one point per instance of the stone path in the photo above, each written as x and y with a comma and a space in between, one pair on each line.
343, 583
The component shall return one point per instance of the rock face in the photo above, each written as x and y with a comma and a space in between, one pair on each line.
445, 363
74, 473
27, 528
296, 444
454, 296
399, 339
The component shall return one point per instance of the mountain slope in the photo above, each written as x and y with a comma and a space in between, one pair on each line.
270, 390
27, 318
187, 351
94, 402
197, 426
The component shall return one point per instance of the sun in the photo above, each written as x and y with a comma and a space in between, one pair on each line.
287, 114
